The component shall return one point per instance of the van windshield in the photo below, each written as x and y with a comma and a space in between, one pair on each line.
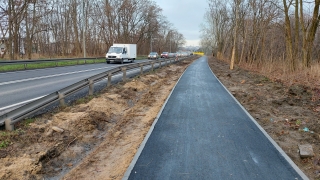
115, 50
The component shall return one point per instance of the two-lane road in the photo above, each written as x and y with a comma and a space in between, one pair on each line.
17, 88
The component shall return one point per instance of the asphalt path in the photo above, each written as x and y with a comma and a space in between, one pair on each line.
203, 132
20, 87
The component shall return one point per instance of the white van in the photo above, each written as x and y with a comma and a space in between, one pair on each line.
122, 53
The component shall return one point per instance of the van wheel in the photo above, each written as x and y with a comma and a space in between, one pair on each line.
121, 61
108, 62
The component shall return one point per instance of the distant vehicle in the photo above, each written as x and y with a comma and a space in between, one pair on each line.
121, 53
171, 55
164, 55
153, 55
184, 54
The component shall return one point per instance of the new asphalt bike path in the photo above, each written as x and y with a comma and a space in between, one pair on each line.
202, 132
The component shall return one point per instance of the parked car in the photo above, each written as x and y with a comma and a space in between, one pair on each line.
153, 55
164, 55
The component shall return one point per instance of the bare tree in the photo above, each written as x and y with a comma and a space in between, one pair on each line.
218, 25
57, 27
309, 34
235, 29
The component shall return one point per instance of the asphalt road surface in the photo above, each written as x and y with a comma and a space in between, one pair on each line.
20, 87
204, 133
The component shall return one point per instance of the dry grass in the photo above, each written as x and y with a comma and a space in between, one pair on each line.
279, 71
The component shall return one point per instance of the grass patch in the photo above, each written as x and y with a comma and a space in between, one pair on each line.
4, 144
16, 67
5, 139
142, 57
27, 122
11, 67
84, 100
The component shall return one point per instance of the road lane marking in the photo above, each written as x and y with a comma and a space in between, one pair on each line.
24, 102
20, 103
43, 77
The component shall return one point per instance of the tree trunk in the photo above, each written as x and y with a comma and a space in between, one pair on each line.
289, 42
311, 34
75, 27
28, 38
10, 40
243, 44
297, 29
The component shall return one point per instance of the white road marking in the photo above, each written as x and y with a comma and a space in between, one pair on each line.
20, 103
43, 77
24, 102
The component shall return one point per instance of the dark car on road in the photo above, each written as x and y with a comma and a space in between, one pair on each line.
153, 55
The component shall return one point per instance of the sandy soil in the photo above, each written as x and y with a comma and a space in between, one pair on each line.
98, 139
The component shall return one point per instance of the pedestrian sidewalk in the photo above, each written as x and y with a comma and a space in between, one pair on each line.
204, 133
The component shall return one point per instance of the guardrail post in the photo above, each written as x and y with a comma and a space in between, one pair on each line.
56, 64
25, 66
152, 66
8, 125
61, 99
124, 73
91, 86
141, 69
109, 79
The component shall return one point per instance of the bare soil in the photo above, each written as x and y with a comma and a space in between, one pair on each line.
98, 139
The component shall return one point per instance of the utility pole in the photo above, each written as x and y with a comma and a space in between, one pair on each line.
151, 43
84, 23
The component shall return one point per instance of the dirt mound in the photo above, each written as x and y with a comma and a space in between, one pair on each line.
135, 85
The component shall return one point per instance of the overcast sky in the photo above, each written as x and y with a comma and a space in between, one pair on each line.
186, 16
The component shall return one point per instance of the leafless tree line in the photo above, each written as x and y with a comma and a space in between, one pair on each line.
75, 27
263, 31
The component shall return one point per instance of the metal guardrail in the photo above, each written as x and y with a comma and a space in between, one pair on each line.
16, 115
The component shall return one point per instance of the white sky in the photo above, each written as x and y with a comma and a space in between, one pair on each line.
186, 16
